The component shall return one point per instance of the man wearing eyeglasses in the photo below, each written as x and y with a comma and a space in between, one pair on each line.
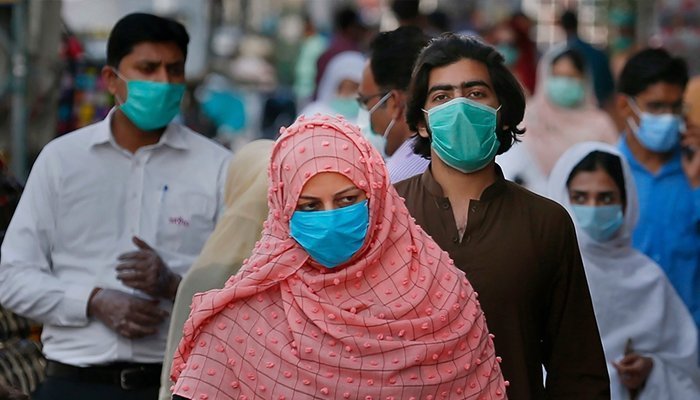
382, 92
665, 158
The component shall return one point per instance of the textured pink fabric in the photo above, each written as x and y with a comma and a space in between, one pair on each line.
398, 321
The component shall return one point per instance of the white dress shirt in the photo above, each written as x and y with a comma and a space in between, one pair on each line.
84, 200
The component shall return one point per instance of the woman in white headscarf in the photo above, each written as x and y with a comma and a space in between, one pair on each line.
648, 335
337, 90
561, 113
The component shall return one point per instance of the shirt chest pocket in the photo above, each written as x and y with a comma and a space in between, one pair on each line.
185, 218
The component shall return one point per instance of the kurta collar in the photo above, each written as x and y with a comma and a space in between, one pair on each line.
490, 193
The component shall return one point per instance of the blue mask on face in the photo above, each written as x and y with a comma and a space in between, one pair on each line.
151, 105
601, 222
331, 237
464, 134
658, 133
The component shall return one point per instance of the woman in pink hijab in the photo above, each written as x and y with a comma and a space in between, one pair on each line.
344, 297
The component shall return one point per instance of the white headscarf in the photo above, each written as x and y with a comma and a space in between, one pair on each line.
632, 297
347, 65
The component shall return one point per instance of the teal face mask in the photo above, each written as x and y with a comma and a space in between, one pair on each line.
565, 92
345, 106
151, 105
331, 237
464, 133
509, 52
601, 222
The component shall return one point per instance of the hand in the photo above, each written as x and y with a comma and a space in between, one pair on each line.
145, 270
129, 316
691, 164
634, 370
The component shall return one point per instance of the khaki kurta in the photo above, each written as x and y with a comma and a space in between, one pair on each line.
520, 253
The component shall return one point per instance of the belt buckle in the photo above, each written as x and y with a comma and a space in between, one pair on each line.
124, 378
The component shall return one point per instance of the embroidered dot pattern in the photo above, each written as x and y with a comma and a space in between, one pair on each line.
372, 329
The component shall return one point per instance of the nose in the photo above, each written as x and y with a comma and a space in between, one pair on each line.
161, 74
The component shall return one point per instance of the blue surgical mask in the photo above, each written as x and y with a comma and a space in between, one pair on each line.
151, 105
331, 237
599, 222
565, 92
345, 106
659, 133
464, 133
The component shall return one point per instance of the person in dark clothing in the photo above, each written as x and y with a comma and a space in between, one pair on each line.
518, 249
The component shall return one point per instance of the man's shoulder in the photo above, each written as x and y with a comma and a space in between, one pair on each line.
540, 206
73, 141
409, 185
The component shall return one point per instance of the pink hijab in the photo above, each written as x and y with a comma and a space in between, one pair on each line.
397, 321
552, 130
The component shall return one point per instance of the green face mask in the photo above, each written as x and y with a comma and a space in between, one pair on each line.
151, 105
464, 134
345, 106
509, 52
565, 92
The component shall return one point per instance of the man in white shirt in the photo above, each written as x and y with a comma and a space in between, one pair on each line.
382, 91
112, 216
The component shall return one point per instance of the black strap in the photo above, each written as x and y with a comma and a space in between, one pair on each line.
125, 375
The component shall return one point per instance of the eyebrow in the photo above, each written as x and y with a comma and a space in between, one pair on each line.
335, 195
464, 85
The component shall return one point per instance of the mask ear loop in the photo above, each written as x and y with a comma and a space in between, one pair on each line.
123, 79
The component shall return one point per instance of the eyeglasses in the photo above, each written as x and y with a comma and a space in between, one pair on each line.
363, 100
660, 107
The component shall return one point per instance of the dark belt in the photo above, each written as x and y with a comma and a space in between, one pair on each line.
128, 376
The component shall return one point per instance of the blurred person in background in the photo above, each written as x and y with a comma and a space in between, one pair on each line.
337, 91
383, 94
111, 218
526, 65
596, 59
518, 249
649, 337
349, 35
562, 112
312, 46
664, 155
229, 245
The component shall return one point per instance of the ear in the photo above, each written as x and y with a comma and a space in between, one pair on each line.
110, 78
397, 104
623, 106
422, 130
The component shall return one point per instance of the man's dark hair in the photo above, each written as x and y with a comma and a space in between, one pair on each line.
569, 21
600, 160
575, 57
448, 49
406, 9
651, 66
346, 18
392, 55
140, 27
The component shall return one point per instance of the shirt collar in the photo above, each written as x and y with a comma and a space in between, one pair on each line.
672, 166
174, 135
490, 193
